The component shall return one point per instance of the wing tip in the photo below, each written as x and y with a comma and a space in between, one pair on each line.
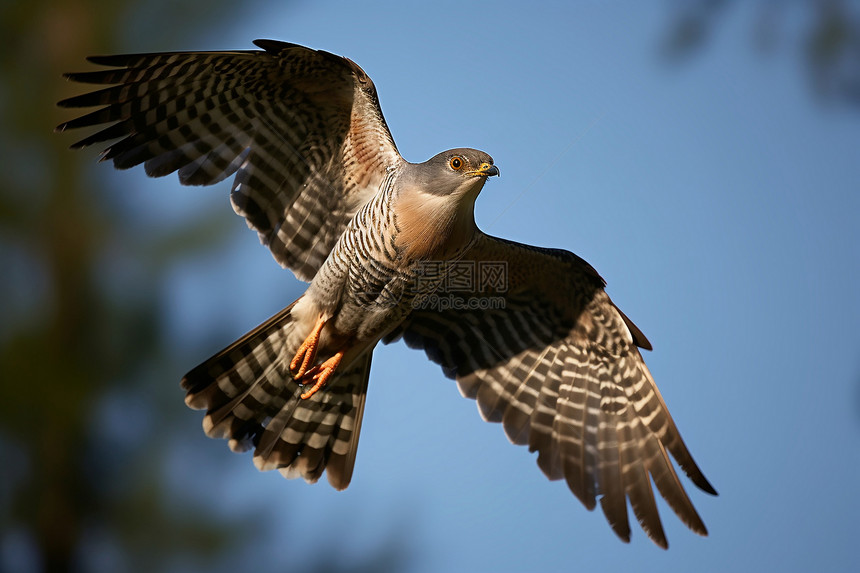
704, 485
696, 475
273, 47
114, 61
639, 338
67, 103
621, 530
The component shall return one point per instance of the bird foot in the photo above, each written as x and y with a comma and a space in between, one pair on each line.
319, 375
307, 352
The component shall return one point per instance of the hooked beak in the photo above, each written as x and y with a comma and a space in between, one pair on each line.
485, 170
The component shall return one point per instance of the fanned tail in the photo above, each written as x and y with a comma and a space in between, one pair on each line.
251, 400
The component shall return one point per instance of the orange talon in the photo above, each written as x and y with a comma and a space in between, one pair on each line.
307, 352
320, 374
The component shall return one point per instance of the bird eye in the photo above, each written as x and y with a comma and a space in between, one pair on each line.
456, 163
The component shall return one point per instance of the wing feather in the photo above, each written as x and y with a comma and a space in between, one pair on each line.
610, 480
558, 365
301, 129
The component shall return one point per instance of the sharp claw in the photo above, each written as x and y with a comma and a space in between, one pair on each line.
307, 352
320, 375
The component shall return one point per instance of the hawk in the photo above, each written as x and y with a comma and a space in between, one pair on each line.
391, 251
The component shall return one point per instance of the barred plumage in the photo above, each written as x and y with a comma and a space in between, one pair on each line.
280, 120
388, 247
252, 401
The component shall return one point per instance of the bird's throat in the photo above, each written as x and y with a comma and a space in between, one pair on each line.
432, 227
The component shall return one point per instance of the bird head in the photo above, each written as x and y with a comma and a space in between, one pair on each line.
436, 202
456, 172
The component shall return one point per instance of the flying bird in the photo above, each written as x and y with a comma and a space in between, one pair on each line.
391, 251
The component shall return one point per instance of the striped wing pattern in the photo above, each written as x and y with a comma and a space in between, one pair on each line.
301, 130
251, 399
559, 368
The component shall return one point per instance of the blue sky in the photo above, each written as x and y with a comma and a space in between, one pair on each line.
718, 199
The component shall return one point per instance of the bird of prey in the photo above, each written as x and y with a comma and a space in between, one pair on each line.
391, 251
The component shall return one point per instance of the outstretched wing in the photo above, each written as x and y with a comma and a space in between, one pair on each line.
301, 129
531, 335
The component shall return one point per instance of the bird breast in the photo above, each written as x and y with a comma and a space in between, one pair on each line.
432, 227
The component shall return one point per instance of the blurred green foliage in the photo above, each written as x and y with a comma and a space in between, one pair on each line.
89, 400
67, 338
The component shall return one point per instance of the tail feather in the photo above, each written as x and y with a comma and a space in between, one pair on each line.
251, 400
